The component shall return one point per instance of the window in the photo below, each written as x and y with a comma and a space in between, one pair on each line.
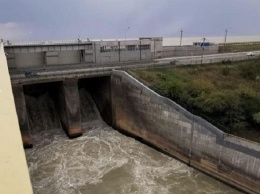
122, 48
145, 47
88, 47
102, 49
105, 49
114, 48
82, 53
108, 48
131, 47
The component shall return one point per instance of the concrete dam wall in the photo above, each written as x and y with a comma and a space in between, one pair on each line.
128, 106
159, 121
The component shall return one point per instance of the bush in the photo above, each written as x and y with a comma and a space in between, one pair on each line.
199, 86
251, 70
175, 90
256, 117
148, 76
212, 103
250, 103
226, 61
225, 70
206, 92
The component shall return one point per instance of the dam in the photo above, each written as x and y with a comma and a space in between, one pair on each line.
102, 160
85, 131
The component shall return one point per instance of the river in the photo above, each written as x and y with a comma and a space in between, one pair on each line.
103, 161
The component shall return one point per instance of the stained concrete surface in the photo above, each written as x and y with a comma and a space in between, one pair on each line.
14, 176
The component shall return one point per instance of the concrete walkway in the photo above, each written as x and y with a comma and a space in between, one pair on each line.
14, 176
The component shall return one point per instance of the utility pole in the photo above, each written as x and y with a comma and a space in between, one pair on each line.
202, 50
126, 31
226, 31
181, 37
153, 49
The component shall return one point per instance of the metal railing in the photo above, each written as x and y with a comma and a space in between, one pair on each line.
56, 42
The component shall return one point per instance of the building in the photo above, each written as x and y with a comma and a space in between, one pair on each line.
48, 53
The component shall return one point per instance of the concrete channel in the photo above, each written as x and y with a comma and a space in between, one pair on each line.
129, 106
126, 105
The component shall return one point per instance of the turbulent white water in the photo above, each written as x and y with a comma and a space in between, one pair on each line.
103, 161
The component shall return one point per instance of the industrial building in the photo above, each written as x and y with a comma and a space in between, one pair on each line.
97, 52
86, 52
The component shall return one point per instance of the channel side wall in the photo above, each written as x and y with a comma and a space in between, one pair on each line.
14, 175
161, 122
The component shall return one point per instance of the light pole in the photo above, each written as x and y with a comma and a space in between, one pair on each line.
225, 39
153, 49
181, 37
126, 31
202, 50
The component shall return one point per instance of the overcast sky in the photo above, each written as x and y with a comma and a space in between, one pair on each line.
70, 19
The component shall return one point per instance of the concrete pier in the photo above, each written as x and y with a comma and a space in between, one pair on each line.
69, 107
22, 115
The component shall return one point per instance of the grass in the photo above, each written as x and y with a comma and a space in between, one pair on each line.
228, 94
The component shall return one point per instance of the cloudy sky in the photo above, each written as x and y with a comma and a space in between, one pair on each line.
70, 19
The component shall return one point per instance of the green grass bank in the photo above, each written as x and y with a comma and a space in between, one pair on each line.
225, 94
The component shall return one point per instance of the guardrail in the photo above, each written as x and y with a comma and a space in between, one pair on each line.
198, 61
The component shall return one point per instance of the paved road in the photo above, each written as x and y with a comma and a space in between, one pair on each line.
221, 56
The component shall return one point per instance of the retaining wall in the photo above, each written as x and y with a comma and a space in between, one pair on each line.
14, 175
159, 121
177, 51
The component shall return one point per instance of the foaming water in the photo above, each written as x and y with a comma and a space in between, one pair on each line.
103, 161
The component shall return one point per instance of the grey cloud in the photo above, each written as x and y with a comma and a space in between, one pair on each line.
68, 19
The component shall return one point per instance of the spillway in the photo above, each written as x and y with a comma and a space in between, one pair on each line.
102, 160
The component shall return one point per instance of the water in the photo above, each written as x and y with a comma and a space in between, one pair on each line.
103, 161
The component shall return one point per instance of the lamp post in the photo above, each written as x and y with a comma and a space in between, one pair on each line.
225, 39
202, 50
181, 37
126, 31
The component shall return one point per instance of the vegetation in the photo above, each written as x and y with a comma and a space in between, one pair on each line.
227, 93
238, 48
